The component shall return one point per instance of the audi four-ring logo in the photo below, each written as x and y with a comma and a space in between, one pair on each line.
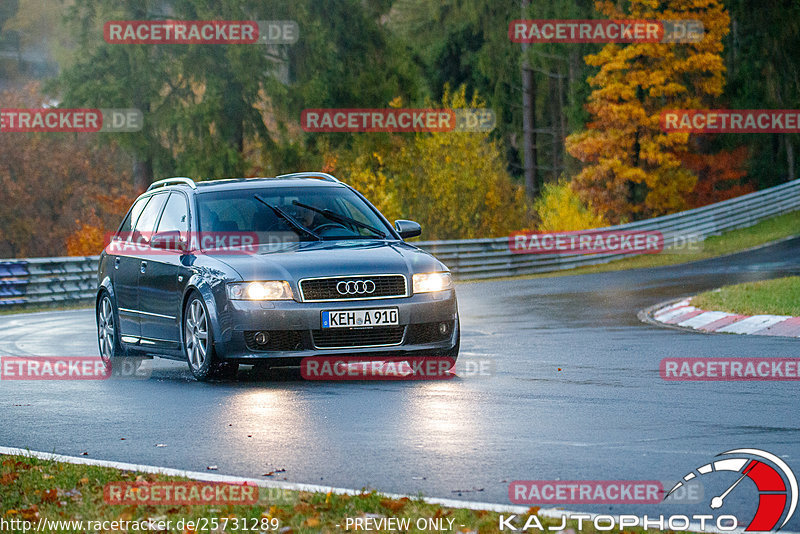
356, 287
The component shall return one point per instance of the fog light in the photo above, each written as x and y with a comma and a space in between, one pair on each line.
443, 328
261, 338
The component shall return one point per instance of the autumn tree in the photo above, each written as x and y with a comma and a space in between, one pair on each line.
55, 184
632, 168
560, 210
455, 184
456, 42
364, 168
719, 175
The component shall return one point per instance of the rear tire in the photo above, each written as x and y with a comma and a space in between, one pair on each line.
108, 339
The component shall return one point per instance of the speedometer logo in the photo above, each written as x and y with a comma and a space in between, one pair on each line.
777, 485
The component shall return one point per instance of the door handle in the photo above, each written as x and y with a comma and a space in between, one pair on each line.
143, 268
116, 263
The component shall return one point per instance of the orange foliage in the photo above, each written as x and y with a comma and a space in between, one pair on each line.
90, 236
330, 163
87, 240
720, 176
632, 168
55, 184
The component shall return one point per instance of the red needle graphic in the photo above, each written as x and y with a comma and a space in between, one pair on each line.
716, 502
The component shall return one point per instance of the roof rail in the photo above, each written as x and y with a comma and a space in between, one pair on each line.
323, 175
173, 181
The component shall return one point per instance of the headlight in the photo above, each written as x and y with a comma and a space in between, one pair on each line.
272, 290
427, 282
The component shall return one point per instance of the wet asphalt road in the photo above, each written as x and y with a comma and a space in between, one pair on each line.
605, 414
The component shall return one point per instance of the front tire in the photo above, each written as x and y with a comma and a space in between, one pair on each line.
198, 343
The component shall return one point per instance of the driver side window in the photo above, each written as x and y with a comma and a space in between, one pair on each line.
176, 215
347, 208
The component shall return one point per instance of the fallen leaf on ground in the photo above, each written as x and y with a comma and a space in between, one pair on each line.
8, 478
303, 508
30, 514
395, 505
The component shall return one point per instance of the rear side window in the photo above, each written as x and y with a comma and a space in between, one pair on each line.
176, 215
133, 216
146, 223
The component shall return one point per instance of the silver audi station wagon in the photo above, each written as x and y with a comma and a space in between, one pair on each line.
268, 271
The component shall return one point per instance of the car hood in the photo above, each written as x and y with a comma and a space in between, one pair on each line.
332, 258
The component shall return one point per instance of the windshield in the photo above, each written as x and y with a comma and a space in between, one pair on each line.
328, 213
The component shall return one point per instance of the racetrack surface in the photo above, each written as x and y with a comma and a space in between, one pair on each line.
606, 414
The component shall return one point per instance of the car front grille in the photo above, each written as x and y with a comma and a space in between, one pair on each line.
354, 287
277, 340
330, 338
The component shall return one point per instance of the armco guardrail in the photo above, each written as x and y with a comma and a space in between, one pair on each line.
471, 259
40, 281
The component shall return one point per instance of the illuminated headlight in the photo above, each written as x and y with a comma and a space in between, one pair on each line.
273, 290
427, 282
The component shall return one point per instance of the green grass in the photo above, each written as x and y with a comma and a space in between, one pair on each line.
766, 231
775, 297
32, 488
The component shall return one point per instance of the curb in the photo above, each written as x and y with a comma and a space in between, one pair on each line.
680, 314
275, 484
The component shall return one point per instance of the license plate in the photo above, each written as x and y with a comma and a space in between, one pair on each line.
351, 318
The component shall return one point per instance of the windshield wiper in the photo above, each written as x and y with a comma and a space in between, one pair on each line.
332, 215
288, 218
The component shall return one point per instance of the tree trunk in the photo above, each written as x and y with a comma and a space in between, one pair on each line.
562, 123
789, 158
528, 118
142, 174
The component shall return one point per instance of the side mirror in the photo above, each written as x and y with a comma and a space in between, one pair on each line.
171, 240
407, 229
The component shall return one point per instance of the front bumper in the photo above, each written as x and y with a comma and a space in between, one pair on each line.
295, 329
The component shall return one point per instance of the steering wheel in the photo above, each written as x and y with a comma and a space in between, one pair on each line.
327, 227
